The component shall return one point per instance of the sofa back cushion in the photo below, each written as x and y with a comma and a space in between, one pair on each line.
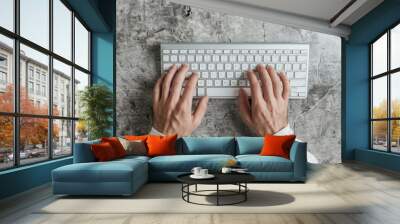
249, 145
83, 152
206, 145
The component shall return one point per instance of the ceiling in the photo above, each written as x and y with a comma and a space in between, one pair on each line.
326, 16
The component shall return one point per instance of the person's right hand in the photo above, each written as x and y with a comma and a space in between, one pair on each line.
268, 112
172, 112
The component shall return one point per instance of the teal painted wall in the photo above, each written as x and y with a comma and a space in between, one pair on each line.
99, 15
356, 83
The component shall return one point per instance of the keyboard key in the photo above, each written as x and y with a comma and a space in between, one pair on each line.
201, 82
267, 58
190, 58
223, 92
220, 67
166, 67
209, 51
211, 66
296, 51
235, 51
217, 82
236, 67
228, 67
194, 67
298, 82
205, 75
209, 82
227, 51
201, 92
300, 75
166, 58
279, 51
290, 75
229, 75
275, 58
234, 82
224, 58
215, 58
303, 67
221, 75
288, 67
214, 75
245, 66
244, 51
249, 58
218, 51
166, 51
262, 51
284, 58
192, 51
253, 51
174, 58
183, 51
296, 67
203, 67
258, 58
207, 58
238, 75
279, 67
242, 82
232, 58
174, 51
241, 58
199, 58
200, 51
287, 51
303, 51
301, 58
253, 66
225, 82
270, 51
292, 58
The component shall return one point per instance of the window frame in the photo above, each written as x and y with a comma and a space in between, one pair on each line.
16, 114
388, 74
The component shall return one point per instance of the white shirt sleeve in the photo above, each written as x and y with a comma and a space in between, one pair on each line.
154, 131
285, 131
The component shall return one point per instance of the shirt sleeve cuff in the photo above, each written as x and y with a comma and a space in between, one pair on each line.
154, 131
285, 131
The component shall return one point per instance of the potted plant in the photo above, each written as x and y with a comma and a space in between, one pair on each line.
96, 104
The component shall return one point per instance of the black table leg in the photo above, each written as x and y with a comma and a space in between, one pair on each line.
217, 194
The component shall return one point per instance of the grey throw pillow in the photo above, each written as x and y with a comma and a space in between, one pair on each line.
137, 148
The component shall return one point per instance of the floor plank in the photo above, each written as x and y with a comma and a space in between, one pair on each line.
354, 182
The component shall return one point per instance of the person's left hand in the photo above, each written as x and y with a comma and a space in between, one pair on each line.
172, 112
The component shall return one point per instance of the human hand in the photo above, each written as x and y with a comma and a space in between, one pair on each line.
268, 112
172, 112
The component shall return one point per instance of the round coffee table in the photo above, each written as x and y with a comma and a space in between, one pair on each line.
238, 179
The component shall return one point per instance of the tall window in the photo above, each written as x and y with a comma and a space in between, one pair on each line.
385, 91
44, 64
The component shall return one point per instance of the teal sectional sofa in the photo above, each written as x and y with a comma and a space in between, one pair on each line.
125, 176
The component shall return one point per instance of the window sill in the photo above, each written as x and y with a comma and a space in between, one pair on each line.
26, 167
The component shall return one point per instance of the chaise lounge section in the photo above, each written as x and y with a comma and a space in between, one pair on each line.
125, 176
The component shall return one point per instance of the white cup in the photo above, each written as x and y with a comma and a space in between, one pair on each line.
196, 171
226, 170
203, 172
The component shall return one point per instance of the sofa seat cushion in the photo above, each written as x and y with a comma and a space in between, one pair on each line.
257, 163
185, 163
121, 170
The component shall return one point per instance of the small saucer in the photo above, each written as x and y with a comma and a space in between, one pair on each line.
208, 176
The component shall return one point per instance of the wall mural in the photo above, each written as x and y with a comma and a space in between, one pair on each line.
143, 24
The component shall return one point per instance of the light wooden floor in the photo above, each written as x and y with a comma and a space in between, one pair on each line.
351, 181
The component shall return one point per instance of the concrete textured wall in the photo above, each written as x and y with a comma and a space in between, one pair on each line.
143, 24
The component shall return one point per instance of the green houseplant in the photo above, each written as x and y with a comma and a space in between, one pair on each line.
96, 103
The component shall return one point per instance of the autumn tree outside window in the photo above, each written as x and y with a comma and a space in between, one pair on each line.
44, 64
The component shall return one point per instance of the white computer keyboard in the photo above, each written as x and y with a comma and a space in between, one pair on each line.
222, 67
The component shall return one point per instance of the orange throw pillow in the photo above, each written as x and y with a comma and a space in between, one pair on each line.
277, 145
103, 152
161, 145
116, 145
136, 137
